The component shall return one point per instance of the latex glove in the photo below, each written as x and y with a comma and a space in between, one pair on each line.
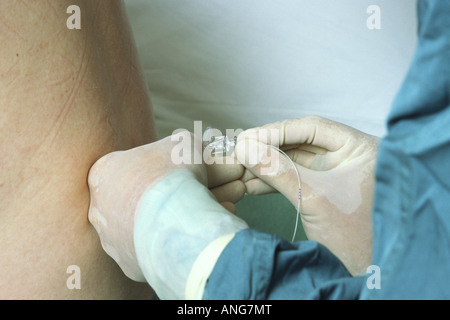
180, 233
336, 165
119, 180
224, 181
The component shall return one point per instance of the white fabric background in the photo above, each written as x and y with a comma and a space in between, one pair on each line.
244, 63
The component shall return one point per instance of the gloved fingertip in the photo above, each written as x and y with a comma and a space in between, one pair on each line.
250, 152
248, 134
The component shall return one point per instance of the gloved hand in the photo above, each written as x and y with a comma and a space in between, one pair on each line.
179, 216
336, 165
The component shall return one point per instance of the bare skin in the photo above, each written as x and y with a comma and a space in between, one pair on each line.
67, 97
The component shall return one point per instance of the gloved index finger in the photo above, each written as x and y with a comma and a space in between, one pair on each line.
311, 130
222, 172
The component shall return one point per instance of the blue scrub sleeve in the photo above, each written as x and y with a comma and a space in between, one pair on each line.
260, 266
411, 215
